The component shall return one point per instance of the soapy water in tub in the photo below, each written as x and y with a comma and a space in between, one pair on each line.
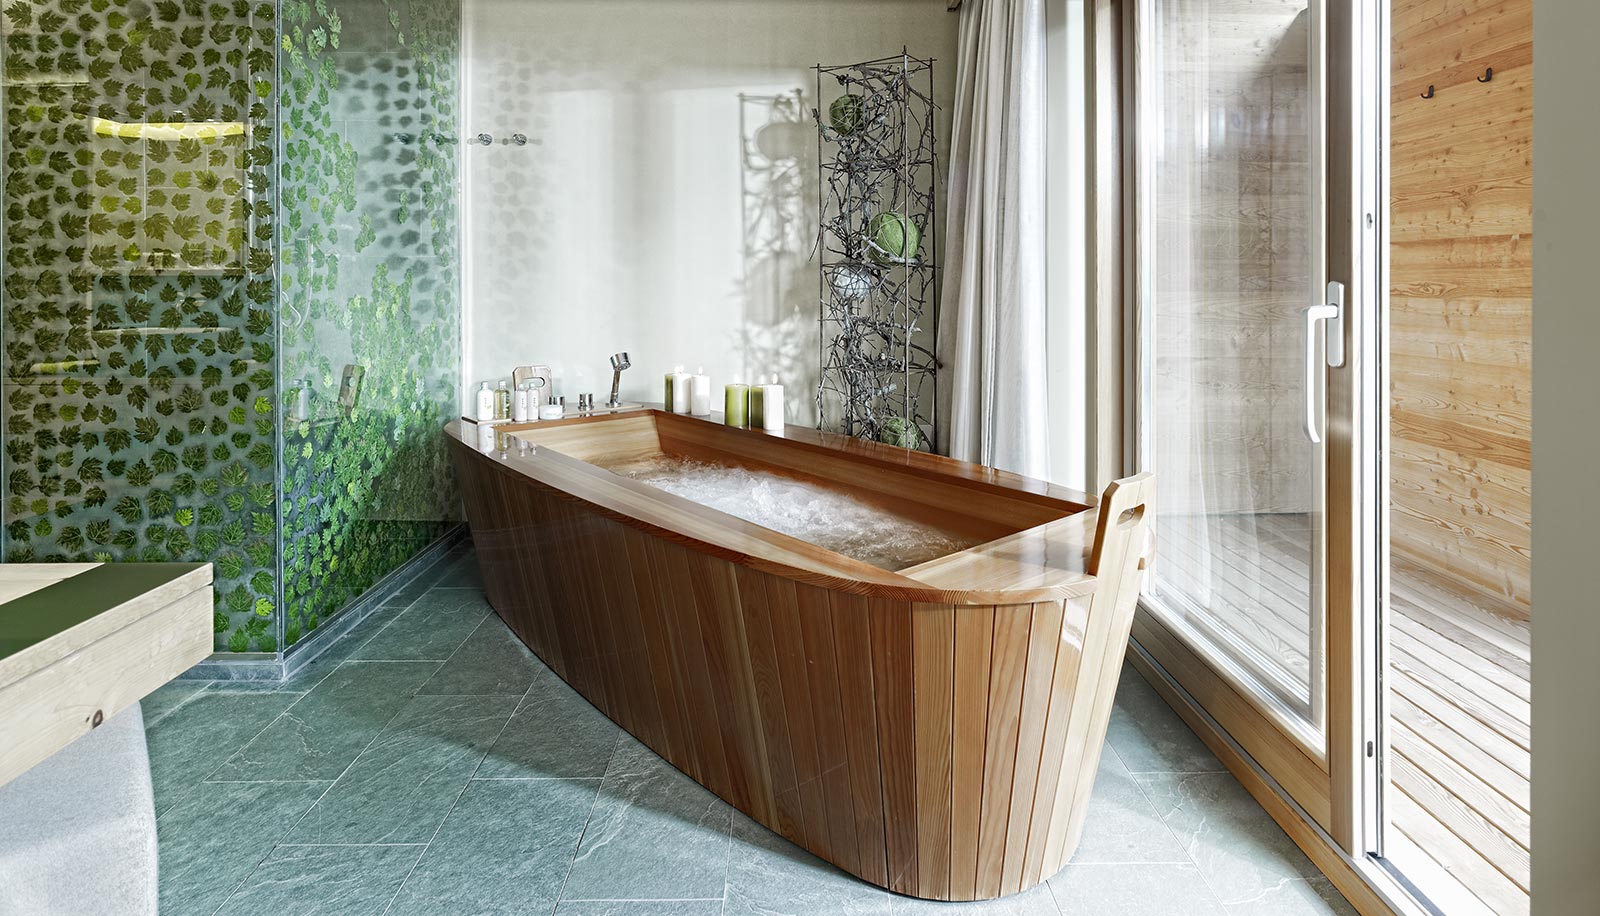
813, 513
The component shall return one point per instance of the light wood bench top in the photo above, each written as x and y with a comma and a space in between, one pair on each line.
80, 642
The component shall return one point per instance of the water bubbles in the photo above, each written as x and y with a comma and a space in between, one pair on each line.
811, 512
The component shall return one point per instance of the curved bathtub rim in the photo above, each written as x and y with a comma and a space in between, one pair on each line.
545, 465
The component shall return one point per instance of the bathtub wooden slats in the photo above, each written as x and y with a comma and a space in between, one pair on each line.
853, 651
940, 749
933, 630
969, 728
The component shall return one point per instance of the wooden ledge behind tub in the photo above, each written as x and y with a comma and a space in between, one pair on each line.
934, 731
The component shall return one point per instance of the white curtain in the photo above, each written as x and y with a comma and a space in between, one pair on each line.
992, 319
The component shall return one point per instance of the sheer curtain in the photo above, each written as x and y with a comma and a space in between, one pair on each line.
992, 321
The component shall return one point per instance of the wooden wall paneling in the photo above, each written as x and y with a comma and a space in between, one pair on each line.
816, 631
1461, 293
852, 626
653, 624
767, 682
933, 633
716, 599
1007, 669
783, 607
897, 746
1054, 764
1044, 638
974, 641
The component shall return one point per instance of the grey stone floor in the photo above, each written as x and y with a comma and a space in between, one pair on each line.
429, 764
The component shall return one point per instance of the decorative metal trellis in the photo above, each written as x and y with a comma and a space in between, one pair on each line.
879, 300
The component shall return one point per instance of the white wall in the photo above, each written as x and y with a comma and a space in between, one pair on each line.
636, 219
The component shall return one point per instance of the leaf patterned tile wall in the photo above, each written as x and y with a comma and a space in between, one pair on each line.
155, 173
369, 281
139, 321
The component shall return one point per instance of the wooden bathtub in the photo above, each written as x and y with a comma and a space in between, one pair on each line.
934, 730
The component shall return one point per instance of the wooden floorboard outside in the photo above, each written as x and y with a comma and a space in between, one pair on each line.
1461, 668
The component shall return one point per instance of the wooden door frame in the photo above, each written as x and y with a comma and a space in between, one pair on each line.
1329, 791
1338, 829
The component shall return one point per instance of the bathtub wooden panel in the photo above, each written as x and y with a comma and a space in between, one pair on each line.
1038, 675
937, 748
1063, 684
852, 649
974, 642
753, 606
816, 631
1007, 658
933, 628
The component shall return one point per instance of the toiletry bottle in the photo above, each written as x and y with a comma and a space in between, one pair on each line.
682, 391
551, 410
502, 401
485, 411
772, 406
519, 406
700, 397
485, 436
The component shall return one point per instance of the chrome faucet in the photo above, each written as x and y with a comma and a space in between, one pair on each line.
619, 362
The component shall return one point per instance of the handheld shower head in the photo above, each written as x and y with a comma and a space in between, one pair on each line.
619, 362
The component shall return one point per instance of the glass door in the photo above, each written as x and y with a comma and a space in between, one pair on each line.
1232, 175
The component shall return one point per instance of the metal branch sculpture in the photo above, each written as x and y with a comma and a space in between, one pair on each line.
878, 283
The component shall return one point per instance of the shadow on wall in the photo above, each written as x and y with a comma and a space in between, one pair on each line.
778, 190
664, 204
622, 225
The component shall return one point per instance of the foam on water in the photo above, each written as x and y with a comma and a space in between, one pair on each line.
825, 517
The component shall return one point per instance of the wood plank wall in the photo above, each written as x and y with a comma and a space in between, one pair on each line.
1230, 257
1461, 306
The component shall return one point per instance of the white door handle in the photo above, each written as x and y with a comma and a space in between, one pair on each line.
1332, 312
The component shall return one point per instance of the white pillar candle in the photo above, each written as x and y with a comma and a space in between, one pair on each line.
772, 406
682, 391
700, 400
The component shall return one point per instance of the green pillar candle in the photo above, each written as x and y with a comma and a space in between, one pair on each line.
667, 402
736, 405
757, 407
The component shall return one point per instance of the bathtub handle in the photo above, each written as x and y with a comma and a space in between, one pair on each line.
1332, 312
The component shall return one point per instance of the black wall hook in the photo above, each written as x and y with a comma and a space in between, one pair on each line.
1429, 93
1488, 74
